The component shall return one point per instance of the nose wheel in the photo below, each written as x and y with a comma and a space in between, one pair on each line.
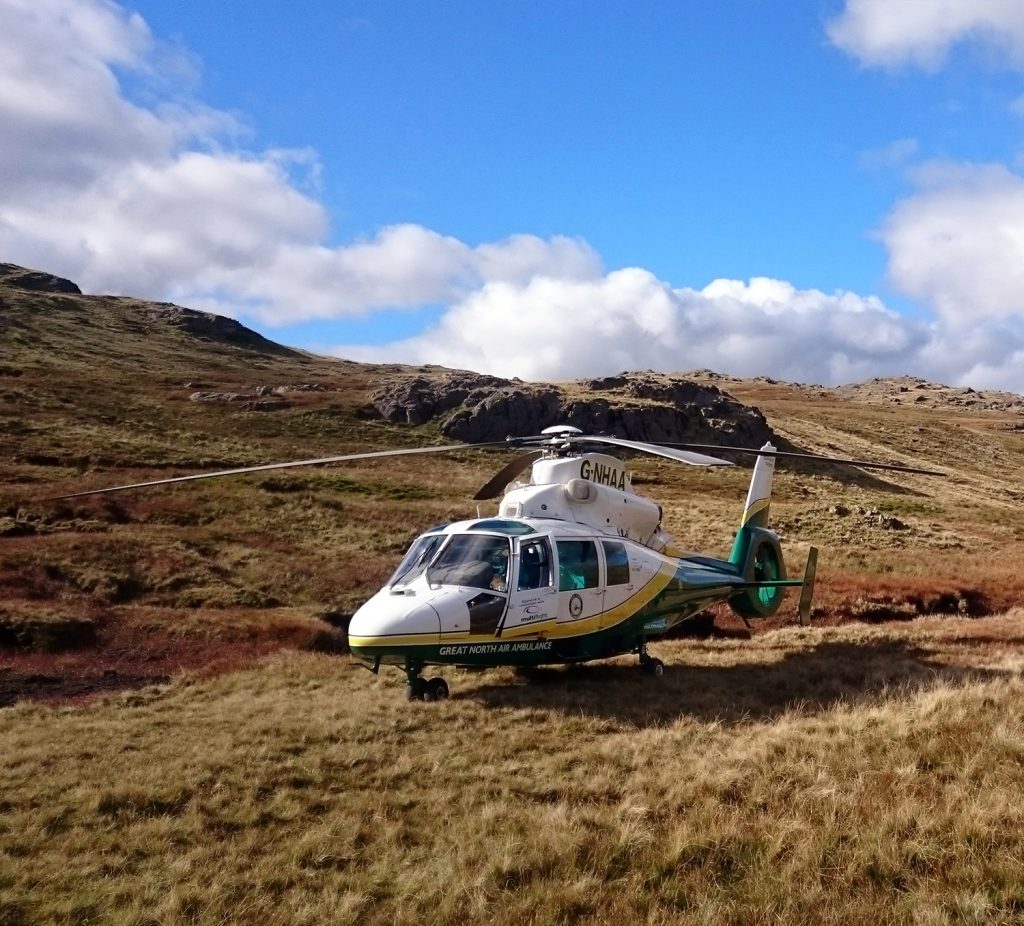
436, 689
418, 688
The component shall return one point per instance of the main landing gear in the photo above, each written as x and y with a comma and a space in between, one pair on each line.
418, 688
650, 664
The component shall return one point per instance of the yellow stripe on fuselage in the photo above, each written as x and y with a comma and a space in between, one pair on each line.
549, 629
541, 628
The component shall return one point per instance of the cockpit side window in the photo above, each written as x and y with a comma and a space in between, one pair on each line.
416, 560
474, 561
617, 562
577, 565
534, 564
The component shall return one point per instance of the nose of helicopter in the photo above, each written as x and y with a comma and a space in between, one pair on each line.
390, 620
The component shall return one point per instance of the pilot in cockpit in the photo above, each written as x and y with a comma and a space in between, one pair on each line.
499, 564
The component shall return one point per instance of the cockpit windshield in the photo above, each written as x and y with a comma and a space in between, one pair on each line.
473, 560
415, 561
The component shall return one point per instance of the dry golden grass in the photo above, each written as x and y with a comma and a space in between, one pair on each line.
865, 773
843, 775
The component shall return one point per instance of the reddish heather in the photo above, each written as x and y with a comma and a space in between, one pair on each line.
130, 654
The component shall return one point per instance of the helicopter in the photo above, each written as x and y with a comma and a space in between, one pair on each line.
575, 565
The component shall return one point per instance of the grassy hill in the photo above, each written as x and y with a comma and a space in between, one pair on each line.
242, 769
99, 390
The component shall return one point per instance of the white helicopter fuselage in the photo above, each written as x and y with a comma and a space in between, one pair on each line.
575, 566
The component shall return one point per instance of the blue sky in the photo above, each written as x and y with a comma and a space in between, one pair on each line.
822, 190
694, 139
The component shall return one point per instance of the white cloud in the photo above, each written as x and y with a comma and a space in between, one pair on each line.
550, 329
146, 225
157, 200
64, 117
128, 199
522, 257
957, 244
628, 319
402, 266
921, 32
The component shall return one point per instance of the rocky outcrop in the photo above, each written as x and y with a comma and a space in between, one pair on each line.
210, 327
35, 280
509, 410
421, 399
636, 406
245, 400
260, 399
922, 393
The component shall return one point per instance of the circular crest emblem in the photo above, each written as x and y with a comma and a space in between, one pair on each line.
575, 606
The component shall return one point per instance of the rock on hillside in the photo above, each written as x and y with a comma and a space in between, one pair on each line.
35, 280
207, 326
637, 406
22, 289
912, 390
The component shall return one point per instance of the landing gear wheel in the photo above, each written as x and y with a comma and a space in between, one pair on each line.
654, 667
436, 689
648, 663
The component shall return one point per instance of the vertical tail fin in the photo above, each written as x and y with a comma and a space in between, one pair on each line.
759, 496
755, 511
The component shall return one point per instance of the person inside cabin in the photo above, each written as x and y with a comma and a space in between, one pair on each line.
577, 564
499, 564
469, 560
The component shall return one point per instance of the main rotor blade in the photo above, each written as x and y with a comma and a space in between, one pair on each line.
658, 450
506, 474
272, 466
814, 457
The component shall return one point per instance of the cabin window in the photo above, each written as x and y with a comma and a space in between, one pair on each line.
502, 526
616, 562
534, 564
415, 561
473, 561
577, 564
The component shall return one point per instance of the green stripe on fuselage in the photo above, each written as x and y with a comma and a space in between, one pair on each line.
698, 583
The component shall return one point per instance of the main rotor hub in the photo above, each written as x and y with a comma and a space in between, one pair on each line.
561, 442
561, 429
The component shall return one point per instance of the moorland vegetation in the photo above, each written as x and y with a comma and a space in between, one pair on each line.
185, 739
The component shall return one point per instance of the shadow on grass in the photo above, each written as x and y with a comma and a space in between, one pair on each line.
811, 680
